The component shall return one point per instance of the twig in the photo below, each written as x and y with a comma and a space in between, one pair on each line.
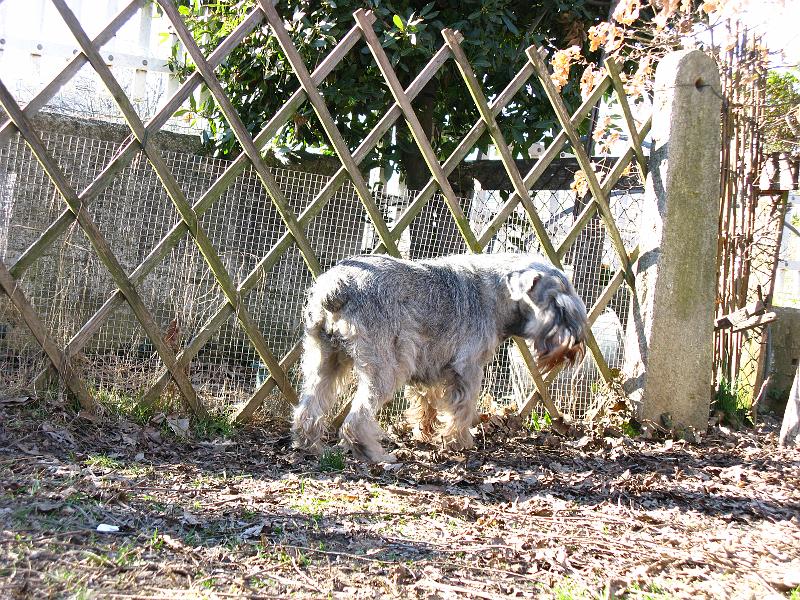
49, 535
279, 579
304, 576
181, 593
375, 513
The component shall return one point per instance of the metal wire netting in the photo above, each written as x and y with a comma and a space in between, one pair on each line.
68, 284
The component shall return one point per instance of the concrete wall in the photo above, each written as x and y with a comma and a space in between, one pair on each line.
783, 351
69, 284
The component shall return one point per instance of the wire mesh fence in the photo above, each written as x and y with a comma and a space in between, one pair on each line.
67, 285
204, 311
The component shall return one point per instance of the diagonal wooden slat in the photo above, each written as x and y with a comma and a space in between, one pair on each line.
421, 139
541, 387
372, 139
461, 151
245, 412
578, 225
609, 181
582, 221
469, 141
361, 152
583, 159
38, 330
611, 288
243, 137
630, 124
99, 243
323, 114
550, 154
599, 306
130, 148
173, 237
178, 198
521, 190
250, 281
615, 174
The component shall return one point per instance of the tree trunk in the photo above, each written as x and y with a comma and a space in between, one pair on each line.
417, 173
790, 431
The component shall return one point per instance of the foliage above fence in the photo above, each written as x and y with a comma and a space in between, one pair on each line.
235, 292
495, 37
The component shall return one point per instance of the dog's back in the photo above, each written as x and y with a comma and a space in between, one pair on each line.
431, 298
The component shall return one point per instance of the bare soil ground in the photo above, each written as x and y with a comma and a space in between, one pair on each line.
526, 514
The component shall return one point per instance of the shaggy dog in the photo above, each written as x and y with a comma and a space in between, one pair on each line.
432, 325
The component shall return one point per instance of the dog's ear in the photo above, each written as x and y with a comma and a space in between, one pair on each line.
520, 283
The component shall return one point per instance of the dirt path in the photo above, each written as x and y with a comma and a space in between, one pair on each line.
525, 515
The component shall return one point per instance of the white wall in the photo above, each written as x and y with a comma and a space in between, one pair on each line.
35, 44
787, 279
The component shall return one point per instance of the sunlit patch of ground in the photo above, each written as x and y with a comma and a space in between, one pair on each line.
525, 514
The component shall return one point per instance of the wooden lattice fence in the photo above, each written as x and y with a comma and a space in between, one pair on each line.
175, 361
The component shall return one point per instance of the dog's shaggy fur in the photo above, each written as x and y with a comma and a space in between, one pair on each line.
432, 325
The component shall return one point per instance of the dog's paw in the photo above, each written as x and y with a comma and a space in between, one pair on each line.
386, 458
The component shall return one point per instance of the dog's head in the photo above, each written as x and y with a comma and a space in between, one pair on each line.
554, 317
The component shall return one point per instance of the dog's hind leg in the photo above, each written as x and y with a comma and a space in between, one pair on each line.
360, 430
325, 369
460, 403
421, 412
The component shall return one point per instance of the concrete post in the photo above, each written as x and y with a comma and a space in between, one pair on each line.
669, 345
790, 429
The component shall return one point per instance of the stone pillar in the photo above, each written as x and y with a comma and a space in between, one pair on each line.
669, 345
790, 430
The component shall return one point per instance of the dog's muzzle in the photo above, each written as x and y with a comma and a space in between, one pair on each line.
570, 353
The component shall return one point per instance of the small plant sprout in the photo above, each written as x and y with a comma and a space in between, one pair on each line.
331, 461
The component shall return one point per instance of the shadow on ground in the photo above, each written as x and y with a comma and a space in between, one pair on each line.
526, 514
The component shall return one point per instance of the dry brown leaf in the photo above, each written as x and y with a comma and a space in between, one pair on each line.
561, 62
627, 11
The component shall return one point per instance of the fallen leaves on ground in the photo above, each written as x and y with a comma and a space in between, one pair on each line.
120, 510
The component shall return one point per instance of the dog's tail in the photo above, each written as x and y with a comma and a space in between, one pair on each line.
335, 300
322, 306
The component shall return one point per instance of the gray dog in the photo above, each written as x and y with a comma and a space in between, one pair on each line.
433, 325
